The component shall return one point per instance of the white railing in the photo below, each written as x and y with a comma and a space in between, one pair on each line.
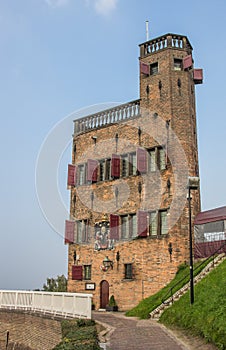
169, 40
113, 115
74, 305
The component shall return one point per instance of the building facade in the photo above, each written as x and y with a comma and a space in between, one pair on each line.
129, 217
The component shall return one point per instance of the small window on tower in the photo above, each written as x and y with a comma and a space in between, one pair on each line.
154, 68
177, 64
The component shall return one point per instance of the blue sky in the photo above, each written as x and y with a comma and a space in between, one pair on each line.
58, 56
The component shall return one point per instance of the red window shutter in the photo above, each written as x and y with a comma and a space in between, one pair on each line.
92, 169
115, 166
69, 231
71, 179
142, 224
141, 160
187, 62
114, 227
144, 68
198, 76
77, 273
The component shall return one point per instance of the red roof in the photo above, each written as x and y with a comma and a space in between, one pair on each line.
211, 216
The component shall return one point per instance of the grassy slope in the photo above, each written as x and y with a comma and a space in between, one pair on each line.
143, 309
207, 316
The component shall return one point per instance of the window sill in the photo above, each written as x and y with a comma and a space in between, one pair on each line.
128, 279
158, 236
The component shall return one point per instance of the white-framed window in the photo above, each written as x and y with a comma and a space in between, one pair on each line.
163, 229
108, 169
128, 226
153, 223
87, 272
125, 165
81, 174
102, 170
161, 159
124, 226
152, 159
82, 231
156, 159
133, 225
133, 163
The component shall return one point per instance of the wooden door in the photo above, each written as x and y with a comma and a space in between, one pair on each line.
104, 294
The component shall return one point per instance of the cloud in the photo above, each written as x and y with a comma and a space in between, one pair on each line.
57, 3
105, 7
102, 7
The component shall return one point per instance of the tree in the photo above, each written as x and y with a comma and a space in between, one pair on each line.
58, 284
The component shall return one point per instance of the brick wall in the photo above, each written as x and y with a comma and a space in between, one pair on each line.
28, 332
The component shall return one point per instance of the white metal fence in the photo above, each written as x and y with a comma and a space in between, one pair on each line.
58, 304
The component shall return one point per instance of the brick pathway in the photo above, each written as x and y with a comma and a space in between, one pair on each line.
127, 333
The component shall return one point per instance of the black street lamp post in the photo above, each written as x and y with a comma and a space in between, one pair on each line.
193, 184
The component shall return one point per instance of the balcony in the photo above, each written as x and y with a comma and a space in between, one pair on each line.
114, 115
174, 41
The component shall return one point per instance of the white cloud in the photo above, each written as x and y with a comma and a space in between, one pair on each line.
56, 3
102, 7
105, 7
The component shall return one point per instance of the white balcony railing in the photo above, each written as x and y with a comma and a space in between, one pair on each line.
113, 115
73, 305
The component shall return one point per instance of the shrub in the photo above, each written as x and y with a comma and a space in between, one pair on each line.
78, 334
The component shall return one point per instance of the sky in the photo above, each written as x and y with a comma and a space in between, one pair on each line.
58, 58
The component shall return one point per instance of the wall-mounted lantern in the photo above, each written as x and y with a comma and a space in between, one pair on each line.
94, 139
107, 264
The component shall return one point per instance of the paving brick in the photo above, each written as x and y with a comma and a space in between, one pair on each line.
136, 334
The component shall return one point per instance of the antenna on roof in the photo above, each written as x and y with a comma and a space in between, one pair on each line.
147, 30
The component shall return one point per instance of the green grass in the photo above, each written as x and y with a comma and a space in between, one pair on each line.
207, 316
143, 309
78, 335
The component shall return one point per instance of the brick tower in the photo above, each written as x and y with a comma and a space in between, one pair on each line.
129, 219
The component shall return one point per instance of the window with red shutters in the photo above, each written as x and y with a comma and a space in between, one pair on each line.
92, 170
115, 166
114, 227
141, 160
187, 62
144, 68
69, 231
71, 179
142, 224
77, 273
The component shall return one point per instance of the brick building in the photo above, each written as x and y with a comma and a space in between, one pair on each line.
128, 227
